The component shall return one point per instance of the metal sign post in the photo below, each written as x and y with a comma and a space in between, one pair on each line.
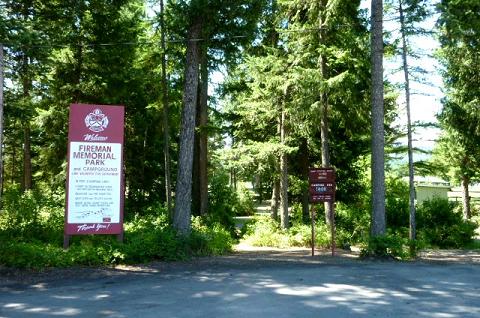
322, 188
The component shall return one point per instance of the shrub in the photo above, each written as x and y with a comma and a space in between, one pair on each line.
440, 224
387, 246
209, 240
31, 231
264, 231
397, 204
353, 222
32, 215
225, 202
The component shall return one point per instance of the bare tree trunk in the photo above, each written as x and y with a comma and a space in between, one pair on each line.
284, 220
378, 139
27, 152
304, 166
325, 150
196, 162
275, 201
27, 159
1, 122
466, 198
411, 173
183, 193
203, 134
166, 126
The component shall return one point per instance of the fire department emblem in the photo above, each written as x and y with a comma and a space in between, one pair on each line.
96, 121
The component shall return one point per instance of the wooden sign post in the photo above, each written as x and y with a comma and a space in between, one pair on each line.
322, 188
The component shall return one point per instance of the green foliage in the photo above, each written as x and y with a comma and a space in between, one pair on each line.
31, 231
211, 239
264, 231
387, 246
31, 215
225, 202
353, 219
441, 224
397, 203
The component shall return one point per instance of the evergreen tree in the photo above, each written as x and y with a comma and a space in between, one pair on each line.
460, 46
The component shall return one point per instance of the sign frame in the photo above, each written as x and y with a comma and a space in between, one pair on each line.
322, 185
95, 188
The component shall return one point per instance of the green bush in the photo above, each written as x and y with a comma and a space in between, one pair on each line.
31, 232
397, 204
387, 246
264, 231
225, 202
32, 215
353, 222
209, 240
441, 225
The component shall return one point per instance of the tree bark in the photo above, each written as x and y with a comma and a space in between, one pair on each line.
183, 193
275, 201
378, 139
324, 112
27, 152
284, 220
411, 173
27, 159
203, 134
166, 127
1, 122
466, 198
304, 166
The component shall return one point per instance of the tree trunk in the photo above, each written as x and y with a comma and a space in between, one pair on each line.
304, 166
324, 113
284, 221
27, 152
196, 163
203, 134
275, 201
183, 193
411, 175
466, 198
27, 159
1, 122
378, 139
166, 127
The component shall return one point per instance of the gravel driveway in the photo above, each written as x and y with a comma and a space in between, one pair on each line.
254, 283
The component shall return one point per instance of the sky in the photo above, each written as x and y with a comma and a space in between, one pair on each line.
426, 102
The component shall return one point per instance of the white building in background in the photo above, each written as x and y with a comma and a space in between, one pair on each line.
429, 187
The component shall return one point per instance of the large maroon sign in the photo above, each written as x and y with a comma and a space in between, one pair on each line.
322, 185
95, 186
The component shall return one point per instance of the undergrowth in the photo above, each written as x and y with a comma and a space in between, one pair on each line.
31, 232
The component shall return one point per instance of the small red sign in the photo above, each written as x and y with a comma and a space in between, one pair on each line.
322, 185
